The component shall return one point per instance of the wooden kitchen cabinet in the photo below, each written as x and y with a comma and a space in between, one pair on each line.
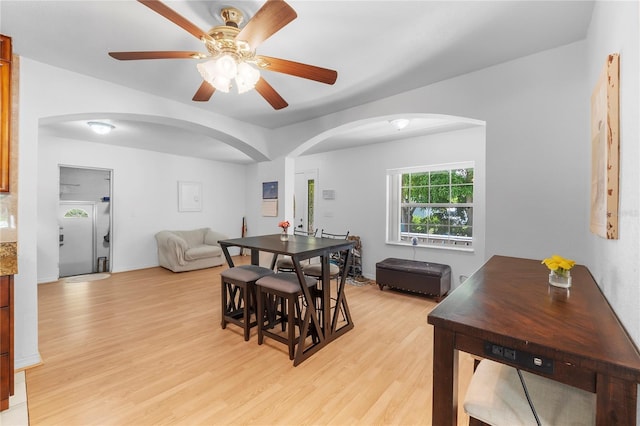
6, 340
5, 110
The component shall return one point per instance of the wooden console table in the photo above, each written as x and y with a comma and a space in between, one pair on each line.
507, 312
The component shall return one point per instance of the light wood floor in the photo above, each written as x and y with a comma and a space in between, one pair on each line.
146, 348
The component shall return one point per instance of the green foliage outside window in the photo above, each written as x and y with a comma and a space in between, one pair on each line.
438, 204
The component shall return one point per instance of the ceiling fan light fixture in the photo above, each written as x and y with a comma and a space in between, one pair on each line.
221, 71
229, 47
247, 77
221, 83
207, 70
216, 74
226, 66
399, 123
100, 127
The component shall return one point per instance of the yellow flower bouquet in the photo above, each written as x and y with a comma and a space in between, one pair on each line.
560, 275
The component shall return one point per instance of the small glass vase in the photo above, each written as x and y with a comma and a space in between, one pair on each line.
560, 279
284, 236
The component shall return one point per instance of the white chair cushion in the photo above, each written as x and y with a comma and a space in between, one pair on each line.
495, 396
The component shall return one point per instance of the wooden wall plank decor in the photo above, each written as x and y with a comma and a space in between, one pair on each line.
605, 150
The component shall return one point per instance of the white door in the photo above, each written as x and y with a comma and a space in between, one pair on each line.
305, 183
77, 238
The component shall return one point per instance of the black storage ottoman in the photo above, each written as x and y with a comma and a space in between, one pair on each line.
411, 275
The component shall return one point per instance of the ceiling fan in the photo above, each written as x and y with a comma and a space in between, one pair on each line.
231, 51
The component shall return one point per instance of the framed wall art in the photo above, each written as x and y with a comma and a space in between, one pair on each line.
269, 199
605, 151
269, 190
189, 196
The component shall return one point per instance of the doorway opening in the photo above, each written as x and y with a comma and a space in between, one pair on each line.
84, 221
304, 207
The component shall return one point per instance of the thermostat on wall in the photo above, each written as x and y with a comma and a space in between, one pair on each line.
328, 194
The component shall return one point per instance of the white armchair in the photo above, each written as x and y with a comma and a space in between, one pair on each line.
181, 251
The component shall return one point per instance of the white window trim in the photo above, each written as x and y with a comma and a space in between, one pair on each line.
393, 207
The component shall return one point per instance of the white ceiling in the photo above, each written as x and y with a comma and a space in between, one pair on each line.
379, 48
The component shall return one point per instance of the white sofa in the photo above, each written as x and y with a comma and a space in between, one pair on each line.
181, 251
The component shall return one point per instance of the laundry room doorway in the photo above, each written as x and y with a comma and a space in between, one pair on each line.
84, 221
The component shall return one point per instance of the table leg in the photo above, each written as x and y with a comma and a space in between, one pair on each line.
445, 378
616, 401
255, 257
274, 260
326, 295
227, 256
341, 303
310, 317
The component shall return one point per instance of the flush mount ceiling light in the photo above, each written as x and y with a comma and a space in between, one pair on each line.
101, 128
399, 123
231, 52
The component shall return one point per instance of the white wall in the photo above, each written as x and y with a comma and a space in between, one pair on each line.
256, 174
537, 161
257, 224
614, 263
358, 176
144, 198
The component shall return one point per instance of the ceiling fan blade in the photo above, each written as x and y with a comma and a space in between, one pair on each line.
268, 20
204, 93
311, 72
270, 95
174, 17
168, 54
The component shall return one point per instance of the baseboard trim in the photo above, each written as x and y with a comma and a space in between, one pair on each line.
27, 362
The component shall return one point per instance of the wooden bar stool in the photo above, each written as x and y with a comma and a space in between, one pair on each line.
285, 264
238, 295
273, 291
336, 265
495, 396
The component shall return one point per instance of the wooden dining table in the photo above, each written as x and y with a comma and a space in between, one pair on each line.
321, 320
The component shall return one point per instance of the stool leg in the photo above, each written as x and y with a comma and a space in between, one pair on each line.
260, 313
223, 297
284, 312
244, 299
290, 324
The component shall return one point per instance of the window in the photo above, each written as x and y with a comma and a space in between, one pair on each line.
76, 213
431, 205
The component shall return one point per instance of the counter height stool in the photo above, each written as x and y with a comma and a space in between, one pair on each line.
314, 270
285, 264
496, 397
239, 295
273, 291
